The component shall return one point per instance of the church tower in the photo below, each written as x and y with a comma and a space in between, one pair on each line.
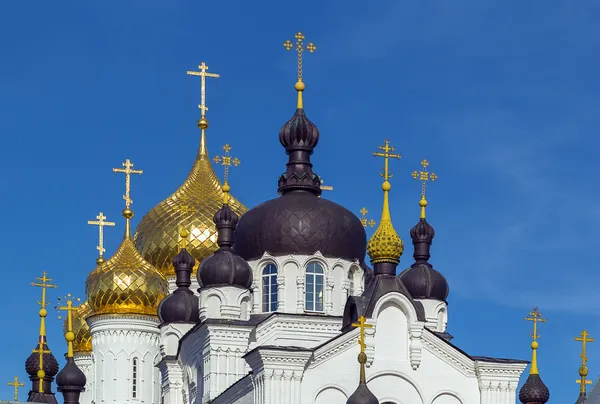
123, 294
534, 391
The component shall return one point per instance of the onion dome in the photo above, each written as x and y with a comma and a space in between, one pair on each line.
225, 266
421, 279
191, 206
299, 222
83, 339
126, 283
385, 245
534, 391
182, 305
362, 394
71, 382
47, 373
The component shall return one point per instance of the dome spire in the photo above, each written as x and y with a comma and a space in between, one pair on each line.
385, 246
362, 394
203, 122
424, 176
534, 391
70, 380
100, 222
288, 45
583, 370
226, 161
127, 212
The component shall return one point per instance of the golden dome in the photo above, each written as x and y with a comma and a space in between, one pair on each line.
126, 283
83, 339
192, 206
385, 245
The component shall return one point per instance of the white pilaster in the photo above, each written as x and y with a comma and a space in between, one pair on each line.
85, 362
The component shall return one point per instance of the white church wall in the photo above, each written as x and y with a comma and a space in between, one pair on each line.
125, 349
171, 371
292, 288
226, 302
436, 314
85, 362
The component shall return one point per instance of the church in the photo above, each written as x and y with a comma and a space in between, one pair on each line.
208, 301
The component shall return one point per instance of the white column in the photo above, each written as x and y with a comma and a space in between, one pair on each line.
329, 296
300, 294
256, 298
280, 292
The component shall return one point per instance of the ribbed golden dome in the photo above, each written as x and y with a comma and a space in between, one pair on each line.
192, 206
126, 283
83, 339
385, 245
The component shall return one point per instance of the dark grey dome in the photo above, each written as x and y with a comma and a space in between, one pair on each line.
70, 377
182, 306
421, 280
534, 391
362, 395
32, 364
225, 267
300, 223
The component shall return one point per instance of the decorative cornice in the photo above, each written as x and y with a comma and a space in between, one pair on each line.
334, 348
451, 356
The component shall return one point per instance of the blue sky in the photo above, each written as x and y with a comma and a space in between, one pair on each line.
501, 96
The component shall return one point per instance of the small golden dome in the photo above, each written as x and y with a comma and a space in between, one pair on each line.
83, 339
385, 245
192, 206
126, 283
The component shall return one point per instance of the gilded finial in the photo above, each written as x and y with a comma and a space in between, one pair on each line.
127, 212
226, 161
288, 45
100, 222
536, 317
362, 356
424, 176
16, 384
44, 283
583, 370
385, 245
203, 122
184, 234
364, 219
69, 308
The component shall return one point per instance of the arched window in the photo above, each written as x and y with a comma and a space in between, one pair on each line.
315, 275
269, 290
351, 290
134, 378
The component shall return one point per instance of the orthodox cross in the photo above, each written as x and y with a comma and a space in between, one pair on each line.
127, 170
362, 324
69, 308
364, 220
325, 187
424, 176
101, 222
536, 317
44, 283
16, 386
183, 205
583, 370
387, 155
226, 161
203, 75
288, 45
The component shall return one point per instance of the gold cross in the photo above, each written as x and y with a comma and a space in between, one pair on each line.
127, 171
226, 161
100, 223
424, 176
69, 308
325, 187
536, 317
288, 45
16, 385
364, 220
387, 155
362, 324
203, 75
41, 374
44, 283
583, 370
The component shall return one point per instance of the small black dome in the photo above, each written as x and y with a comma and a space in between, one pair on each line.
225, 267
300, 223
32, 364
421, 279
362, 395
70, 377
182, 305
534, 391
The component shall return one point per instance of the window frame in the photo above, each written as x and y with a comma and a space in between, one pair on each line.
269, 289
310, 279
134, 378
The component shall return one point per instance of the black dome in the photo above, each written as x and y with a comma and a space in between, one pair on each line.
534, 391
421, 279
300, 223
225, 267
70, 377
182, 305
32, 364
362, 395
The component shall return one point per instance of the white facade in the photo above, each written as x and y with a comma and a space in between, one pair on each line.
125, 350
85, 362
